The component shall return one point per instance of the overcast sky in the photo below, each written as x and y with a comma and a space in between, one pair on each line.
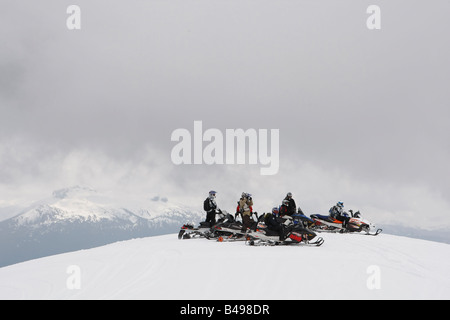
363, 114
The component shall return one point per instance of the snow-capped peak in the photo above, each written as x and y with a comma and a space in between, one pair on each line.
81, 217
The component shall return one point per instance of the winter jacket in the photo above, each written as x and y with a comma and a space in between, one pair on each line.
292, 206
209, 204
245, 206
272, 222
336, 212
284, 210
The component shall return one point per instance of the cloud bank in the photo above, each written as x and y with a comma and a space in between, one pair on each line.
362, 114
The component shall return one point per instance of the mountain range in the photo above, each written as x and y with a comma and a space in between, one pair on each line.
80, 218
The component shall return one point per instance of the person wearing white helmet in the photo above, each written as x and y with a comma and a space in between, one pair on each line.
245, 208
284, 208
210, 206
337, 212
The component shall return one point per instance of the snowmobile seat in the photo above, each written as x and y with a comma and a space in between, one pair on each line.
205, 224
271, 232
301, 217
322, 217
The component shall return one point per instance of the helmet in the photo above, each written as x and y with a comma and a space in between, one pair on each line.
212, 193
289, 194
275, 210
340, 204
286, 202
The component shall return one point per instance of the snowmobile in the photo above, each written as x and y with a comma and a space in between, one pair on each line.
293, 234
188, 230
304, 220
326, 223
355, 223
227, 228
204, 230
358, 224
231, 229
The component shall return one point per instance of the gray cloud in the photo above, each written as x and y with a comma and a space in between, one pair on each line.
367, 107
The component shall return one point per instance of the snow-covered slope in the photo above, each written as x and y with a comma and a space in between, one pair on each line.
80, 217
347, 266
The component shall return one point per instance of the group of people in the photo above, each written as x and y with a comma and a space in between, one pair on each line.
245, 209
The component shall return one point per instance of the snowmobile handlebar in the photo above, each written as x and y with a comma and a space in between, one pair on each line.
252, 213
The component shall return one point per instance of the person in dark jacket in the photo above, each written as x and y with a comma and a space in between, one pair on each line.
270, 219
210, 206
274, 224
284, 208
292, 207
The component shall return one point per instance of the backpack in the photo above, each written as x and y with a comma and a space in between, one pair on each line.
208, 205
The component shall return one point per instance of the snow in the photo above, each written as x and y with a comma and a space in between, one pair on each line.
347, 266
80, 217
87, 204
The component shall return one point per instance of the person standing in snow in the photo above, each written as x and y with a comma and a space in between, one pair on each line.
210, 206
245, 208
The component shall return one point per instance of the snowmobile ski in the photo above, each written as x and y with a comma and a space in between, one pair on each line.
232, 238
374, 233
260, 242
365, 232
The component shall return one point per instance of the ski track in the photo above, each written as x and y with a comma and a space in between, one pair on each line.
164, 267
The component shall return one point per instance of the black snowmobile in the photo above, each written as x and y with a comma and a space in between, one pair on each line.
227, 228
204, 230
292, 234
231, 229
188, 230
